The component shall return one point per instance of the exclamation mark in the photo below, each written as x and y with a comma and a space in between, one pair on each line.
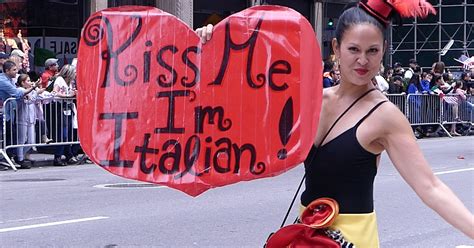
286, 124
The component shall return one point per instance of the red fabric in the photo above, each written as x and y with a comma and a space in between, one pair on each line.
320, 214
379, 9
300, 235
45, 77
412, 8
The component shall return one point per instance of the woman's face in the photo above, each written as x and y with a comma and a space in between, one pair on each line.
360, 53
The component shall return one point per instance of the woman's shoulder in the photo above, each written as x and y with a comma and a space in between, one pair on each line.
328, 92
388, 115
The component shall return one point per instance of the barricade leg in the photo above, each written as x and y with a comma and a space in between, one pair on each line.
9, 161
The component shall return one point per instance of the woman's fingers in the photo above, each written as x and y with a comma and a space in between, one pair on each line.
208, 32
205, 33
199, 33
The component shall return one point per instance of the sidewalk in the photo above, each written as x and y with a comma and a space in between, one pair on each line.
39, 160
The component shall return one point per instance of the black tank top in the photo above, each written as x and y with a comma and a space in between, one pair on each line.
343, 170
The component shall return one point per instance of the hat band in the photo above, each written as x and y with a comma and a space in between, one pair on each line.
380, 9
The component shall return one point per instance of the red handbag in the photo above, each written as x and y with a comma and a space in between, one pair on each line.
311, 232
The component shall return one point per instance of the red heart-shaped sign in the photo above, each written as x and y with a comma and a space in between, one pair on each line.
157, 105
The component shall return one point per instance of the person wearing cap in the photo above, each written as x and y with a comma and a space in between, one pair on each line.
411, 70
8, 90
51, 71
3, 58
398, 69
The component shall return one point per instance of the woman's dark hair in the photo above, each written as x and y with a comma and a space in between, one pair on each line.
328, 65
352, 16
435, 79
458, 83
438, 67
415, 79
446, 77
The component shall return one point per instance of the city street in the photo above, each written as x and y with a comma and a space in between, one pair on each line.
73, 207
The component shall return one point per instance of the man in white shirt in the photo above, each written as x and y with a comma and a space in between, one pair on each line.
411, 70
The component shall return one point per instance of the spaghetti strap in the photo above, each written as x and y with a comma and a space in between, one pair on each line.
370, 112
343, 113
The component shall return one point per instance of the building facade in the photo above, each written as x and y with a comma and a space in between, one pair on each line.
55, 25
446, 36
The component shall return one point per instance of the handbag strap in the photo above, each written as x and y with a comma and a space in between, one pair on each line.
324, 138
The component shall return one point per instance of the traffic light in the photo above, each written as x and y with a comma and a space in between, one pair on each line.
330, 24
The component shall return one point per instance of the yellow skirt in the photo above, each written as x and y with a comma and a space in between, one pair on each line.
359, 229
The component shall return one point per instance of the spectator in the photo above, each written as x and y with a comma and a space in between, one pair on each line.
388, 74
396, 86
438, 68
24, 47
438, 86
468, 86
63, 88
26, 119
414, 92
448, 85
3, 58
398, 69
337, 77
411, 70
7, 90
380, 82
50, 73
328, 79
425, 82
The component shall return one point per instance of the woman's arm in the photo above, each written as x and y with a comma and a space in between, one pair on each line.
405, 154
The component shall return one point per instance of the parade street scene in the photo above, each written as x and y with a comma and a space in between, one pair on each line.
239, 123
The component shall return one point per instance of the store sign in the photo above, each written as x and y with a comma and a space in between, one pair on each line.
157, 105
61, 46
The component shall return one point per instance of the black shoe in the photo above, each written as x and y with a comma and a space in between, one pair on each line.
23, 164
59, 162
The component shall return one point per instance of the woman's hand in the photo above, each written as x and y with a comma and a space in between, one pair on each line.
205, 33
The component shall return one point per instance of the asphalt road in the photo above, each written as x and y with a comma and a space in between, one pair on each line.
69, 207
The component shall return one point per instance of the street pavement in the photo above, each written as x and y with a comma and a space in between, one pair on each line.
73, 207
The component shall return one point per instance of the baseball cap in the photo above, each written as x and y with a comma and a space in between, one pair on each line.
412, 61
4, 55
17, 52
49, 62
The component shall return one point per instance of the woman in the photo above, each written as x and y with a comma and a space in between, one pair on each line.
414, 92
63, 88
343, 162
380, 126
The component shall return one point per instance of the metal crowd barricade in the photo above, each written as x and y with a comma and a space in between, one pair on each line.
457, 110
27, 123
419, 109
398, 100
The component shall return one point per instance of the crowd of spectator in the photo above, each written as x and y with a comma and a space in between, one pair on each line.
414, 82
44, 106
